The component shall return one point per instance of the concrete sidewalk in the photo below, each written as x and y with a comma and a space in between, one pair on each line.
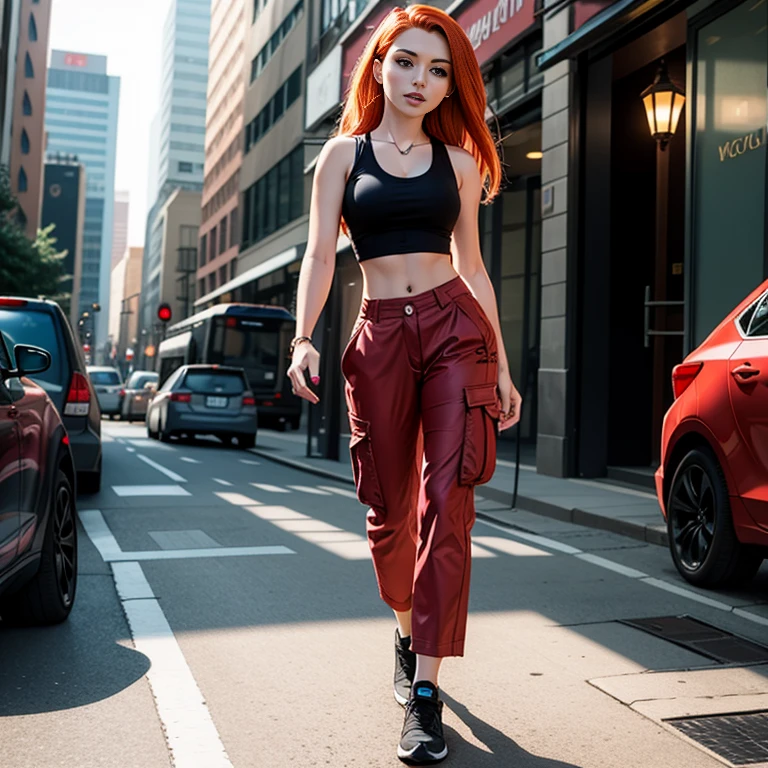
594, 503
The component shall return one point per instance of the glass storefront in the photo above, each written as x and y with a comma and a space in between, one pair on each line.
729, 145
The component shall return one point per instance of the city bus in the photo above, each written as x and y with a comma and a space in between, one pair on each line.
255, 337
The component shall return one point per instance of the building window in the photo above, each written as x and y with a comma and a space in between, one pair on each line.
212, 244
26, 105
22, 180
232, 269
212, 282
223, 235
222, 275
286, 95
233, 229
29, 70
32, 28
268, 51
185, 167
201, 287
24, 142
203, 252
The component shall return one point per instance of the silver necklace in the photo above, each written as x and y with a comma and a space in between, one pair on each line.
403, 151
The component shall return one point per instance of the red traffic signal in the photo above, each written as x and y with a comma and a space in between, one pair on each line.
164, 313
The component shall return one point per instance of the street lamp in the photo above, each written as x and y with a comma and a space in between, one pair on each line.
663, 102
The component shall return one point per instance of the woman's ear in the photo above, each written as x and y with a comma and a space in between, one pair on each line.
377, 71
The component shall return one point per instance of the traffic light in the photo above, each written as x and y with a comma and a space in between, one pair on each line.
164, 313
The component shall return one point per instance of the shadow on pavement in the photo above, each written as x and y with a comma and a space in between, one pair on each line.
503, 750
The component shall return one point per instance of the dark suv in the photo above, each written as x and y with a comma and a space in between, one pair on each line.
42, 323
38, 528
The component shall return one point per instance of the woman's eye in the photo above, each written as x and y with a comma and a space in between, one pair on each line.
403, 61
440, 72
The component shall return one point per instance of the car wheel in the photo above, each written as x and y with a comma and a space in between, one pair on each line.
702, 539
164, 436
246, 441
89, 482
48, 597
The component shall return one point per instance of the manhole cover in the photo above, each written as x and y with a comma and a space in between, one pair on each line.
740, 739
702, 638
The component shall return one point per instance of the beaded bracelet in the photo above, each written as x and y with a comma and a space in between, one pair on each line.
298, 340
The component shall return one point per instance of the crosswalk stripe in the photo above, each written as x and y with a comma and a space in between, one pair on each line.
339, 491
221, 482
190, 461
160, 468
269, 488
307, 489
150, 490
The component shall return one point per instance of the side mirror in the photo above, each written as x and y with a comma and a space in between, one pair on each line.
29, 361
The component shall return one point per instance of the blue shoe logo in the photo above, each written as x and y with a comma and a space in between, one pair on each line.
424, 692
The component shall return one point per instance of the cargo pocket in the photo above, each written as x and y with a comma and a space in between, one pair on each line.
478, 453
363, 465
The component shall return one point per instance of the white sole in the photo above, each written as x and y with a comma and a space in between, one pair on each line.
399, 699
425, 756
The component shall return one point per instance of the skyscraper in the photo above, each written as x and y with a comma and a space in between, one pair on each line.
120, 226
81, 120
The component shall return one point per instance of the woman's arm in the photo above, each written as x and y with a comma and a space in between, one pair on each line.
468, 262
319, 262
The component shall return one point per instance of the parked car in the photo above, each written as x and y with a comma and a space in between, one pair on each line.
31, 321
38, 529
712, 482
204, 399
108, 385
135, 396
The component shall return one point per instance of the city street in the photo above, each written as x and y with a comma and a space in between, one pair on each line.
227, 614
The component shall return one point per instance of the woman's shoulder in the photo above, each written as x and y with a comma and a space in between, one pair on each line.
339, 154
463, 162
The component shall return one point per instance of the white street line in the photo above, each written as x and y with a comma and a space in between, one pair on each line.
339, 491
478, 551
191, 734
510, 547
131, 450
130, 582
270, 488
191, 461
534, 539
98, 531
307, 489
185, 554
252, 463
675, 590
235, 498
611, 566
160, 468
150, 490
221, 482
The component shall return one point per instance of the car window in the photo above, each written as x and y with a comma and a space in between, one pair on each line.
139, 380
171, 380
36, 328
758, 324
105, 378
226, 382
5, 362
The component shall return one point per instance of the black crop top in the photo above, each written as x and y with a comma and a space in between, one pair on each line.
389, 214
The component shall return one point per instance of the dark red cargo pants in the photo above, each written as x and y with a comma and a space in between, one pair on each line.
421, 388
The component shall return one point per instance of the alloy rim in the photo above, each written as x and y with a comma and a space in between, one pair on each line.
692, 512
64, 545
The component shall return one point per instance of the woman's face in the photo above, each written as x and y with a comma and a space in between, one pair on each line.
418, 64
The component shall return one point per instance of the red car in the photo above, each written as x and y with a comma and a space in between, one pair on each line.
712, 482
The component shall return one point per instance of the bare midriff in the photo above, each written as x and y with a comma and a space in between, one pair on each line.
405, 274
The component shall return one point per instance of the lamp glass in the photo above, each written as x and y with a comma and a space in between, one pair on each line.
649, 113
663, 110
677, 109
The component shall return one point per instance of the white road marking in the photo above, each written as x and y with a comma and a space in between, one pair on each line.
542, 541
478, 551
235, 498
186, 554
339, 491
150, 490
269, 488
98, 532
249, 461
160, 468
510, 547
675, 590
221, 482
143, 442
307, 489
277, 513
611, 566
191, 461
131, 450
191, 734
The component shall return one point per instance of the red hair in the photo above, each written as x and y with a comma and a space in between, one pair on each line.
459, 120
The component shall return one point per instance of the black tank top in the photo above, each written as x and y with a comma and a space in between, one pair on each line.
389, 214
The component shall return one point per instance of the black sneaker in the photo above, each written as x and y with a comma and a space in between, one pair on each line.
422, 738
405, 668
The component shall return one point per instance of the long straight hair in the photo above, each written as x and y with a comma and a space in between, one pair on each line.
458, 120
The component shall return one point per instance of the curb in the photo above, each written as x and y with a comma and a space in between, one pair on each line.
649, 534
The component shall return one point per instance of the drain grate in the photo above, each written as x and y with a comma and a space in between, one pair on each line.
702, 638
740, 739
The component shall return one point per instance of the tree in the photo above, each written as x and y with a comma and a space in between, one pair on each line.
27, 268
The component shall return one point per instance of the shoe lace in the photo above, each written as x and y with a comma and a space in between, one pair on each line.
423, 715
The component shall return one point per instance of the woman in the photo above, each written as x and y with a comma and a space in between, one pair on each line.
427, 379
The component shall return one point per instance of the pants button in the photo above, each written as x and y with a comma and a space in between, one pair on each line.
408, 310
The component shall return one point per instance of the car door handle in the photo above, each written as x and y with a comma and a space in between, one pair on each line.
745, 372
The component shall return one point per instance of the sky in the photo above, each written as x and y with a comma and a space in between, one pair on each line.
129, 34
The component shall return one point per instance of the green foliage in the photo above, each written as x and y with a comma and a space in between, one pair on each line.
27, 268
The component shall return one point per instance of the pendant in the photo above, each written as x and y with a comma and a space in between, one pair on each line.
405, 151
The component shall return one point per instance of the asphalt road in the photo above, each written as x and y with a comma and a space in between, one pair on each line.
227, 614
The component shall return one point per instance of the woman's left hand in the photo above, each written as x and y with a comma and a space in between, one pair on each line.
511, 402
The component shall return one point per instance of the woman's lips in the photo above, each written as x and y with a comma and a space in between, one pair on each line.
414, 99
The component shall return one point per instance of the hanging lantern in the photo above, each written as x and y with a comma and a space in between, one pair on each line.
663, 101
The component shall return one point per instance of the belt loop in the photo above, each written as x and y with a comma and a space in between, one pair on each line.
439, 297
376, 303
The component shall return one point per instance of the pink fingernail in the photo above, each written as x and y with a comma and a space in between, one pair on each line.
315, 380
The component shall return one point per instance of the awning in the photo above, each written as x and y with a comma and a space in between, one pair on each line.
597, 29
270, 265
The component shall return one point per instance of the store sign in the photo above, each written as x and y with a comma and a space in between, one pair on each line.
323, 91
738, 146
75, 60
492, 24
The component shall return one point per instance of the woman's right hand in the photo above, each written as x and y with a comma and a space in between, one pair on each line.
305, 357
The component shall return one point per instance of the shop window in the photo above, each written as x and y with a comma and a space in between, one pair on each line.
26, 105
24, 142
729, 146
29, 70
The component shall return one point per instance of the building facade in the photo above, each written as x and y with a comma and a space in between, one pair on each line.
9, 43
124, 315
64, 206
220, 229
120, 226
81, 120
27, 136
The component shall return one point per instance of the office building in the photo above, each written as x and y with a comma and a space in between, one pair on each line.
120, 226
